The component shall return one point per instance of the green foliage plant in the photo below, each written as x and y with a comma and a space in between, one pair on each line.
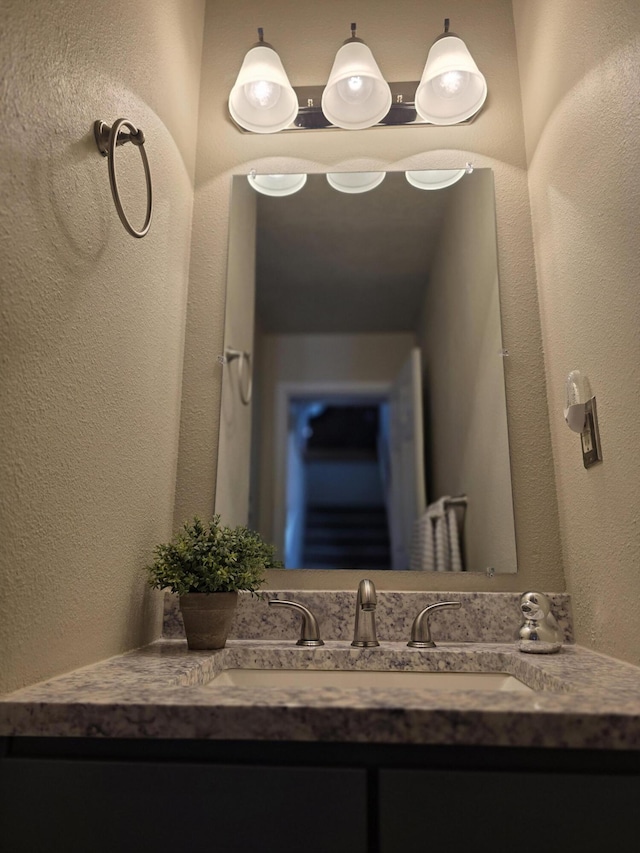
210, 557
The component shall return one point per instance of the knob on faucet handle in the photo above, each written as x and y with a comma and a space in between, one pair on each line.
421, 630
309, 632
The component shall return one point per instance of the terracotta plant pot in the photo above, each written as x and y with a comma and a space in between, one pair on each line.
207, 618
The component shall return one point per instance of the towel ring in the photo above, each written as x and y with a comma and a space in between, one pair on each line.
106, 139
233, 354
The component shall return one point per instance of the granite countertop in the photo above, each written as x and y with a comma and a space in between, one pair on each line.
581, 699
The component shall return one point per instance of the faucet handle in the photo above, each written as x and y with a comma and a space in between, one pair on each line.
421, 630
309, 632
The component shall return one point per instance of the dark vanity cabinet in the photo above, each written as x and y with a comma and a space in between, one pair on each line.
493, 811
93, 795
117, 797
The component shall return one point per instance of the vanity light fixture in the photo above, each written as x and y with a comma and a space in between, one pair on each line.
355, 182
262, 99
452, 89
276, 185
356, 95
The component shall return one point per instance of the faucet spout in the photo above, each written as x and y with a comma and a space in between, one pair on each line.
364, 633
367, 595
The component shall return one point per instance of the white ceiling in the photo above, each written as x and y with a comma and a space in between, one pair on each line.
332, 262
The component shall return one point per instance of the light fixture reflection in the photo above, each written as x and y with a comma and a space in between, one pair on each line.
277, 185
262, 99
355, 182
356, 95
434, 179
452, 89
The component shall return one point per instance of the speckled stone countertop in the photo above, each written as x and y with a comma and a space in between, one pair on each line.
484, 617
580, 699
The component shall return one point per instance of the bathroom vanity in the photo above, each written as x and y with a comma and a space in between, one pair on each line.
161, 749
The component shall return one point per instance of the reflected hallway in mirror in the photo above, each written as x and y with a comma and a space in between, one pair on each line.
375, 318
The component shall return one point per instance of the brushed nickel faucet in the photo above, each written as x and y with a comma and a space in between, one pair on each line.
309, 631
364, 632
421, 630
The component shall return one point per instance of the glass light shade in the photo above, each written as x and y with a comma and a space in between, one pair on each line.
577, 394
262, 99
355, 182
452, 89
434, 179
277, 185
356, 95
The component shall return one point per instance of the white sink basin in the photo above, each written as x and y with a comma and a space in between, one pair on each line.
386, 680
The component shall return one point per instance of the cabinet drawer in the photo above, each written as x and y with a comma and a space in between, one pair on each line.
87, 805
456, 811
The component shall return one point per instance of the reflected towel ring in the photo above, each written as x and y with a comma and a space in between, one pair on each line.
106, 139
231, 355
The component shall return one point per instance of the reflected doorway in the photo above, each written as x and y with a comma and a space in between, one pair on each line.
390, 413
337, 490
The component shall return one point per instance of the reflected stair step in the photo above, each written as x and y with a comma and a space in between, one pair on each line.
363, 563
327, 552
317, 519
319, 535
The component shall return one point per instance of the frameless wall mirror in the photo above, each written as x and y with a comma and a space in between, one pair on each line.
376, 433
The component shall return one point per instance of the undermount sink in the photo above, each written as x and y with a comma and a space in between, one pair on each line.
381, 680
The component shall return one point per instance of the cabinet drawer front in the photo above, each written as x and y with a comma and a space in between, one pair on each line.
55, 805
456, 811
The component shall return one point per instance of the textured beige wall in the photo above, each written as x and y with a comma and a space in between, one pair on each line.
92, 322
464, 375
307, 36
579, 64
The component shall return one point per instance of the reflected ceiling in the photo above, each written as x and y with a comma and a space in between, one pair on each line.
367, 253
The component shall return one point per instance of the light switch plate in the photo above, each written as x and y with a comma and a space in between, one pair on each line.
590, 436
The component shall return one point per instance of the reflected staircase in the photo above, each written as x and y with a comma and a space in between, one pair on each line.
345, 537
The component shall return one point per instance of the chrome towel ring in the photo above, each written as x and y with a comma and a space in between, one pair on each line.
107, 138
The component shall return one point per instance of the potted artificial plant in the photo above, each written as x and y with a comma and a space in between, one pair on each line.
206, 564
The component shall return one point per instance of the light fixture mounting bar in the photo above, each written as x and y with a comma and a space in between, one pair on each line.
401, 114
